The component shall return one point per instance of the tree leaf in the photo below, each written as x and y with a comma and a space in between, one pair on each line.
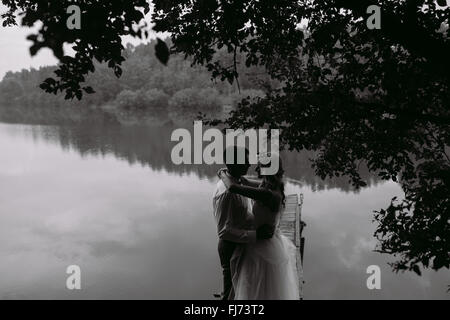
89, 90
118, 71
162, 51
416, 269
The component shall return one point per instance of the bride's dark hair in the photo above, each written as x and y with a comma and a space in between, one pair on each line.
275, 182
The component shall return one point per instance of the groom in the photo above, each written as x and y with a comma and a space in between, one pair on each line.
234, 220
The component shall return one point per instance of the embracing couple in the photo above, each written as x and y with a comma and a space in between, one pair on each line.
258, 262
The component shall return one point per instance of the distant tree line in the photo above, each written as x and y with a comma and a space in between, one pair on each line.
146, 91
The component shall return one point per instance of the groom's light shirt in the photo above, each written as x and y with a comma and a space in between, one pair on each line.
231, 211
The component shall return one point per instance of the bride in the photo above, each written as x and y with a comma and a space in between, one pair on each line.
265, 269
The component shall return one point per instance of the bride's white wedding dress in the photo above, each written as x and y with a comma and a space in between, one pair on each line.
266, 269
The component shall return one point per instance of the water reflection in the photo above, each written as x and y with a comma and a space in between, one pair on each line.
108, 199
151, 146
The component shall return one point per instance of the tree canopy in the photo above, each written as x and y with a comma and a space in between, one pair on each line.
357, 96
379, 97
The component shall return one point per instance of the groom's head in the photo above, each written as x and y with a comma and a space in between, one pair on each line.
236, 160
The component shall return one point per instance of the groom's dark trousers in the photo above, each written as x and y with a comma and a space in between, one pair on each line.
226, 249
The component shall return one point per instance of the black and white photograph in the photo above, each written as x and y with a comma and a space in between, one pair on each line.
225, 150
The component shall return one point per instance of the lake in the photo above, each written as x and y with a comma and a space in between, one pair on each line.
109, 199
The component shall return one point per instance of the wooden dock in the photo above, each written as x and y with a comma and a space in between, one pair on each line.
292, 225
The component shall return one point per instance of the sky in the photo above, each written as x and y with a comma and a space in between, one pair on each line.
15, 54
